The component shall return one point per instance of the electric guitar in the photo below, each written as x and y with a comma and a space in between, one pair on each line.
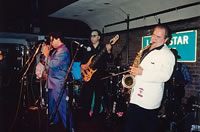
87, 74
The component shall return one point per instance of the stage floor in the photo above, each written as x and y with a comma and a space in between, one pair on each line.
34, 120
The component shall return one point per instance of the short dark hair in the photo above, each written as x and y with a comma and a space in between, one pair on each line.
96, 30
57, 35
167, 30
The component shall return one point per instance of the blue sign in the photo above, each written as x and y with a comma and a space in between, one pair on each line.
184, 42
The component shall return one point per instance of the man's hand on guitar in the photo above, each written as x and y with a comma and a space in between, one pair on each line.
84, 67
108, 48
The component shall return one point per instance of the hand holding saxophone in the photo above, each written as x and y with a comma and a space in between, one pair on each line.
128, 81
136, 70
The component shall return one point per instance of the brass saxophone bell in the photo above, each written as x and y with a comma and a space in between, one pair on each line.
128, 81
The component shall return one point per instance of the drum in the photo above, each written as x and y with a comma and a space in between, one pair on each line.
77, 86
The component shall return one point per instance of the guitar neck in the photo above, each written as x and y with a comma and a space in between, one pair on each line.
96, 58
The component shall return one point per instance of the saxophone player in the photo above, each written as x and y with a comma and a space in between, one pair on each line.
155, 68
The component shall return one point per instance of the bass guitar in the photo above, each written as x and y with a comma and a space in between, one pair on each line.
87, 74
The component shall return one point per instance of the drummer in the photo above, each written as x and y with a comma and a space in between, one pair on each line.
40, 68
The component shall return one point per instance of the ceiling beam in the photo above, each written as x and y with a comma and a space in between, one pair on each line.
154, 14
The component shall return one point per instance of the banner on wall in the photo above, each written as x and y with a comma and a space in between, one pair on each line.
184, 42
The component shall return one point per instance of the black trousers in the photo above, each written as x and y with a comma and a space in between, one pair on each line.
96, 86
141, 120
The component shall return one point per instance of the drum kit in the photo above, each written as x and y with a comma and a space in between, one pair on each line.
116, 97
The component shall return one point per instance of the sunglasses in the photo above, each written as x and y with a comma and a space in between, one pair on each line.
94, 35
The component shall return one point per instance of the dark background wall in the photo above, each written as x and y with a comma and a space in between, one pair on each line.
135, 41
24, 16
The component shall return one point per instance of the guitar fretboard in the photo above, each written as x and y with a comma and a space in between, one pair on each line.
96, 58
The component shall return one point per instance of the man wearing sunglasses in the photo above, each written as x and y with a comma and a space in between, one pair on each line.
95, 86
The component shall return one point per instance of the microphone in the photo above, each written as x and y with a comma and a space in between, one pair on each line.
82, 46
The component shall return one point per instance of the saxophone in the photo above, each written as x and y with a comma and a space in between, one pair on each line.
128, 80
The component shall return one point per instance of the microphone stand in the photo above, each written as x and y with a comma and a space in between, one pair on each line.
29, 64
21, 88
29, 58
53, 114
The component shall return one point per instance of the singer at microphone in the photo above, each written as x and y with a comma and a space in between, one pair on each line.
82, 46
57, 60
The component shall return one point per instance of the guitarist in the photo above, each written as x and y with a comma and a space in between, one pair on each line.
95, 85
